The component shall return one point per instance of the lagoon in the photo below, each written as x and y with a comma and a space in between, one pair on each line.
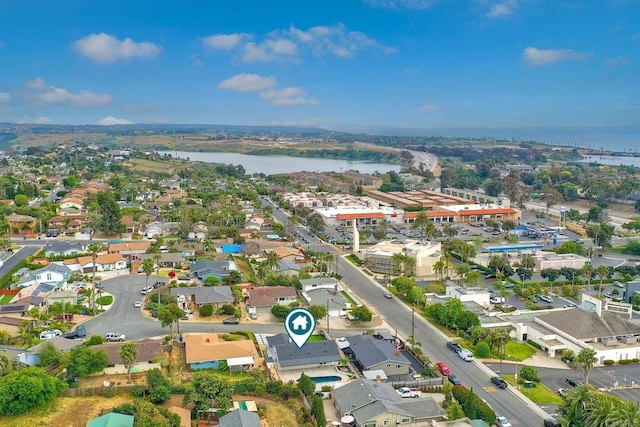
271, 165
612, 160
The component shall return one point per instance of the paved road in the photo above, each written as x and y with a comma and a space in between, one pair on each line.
475, 375
14, 259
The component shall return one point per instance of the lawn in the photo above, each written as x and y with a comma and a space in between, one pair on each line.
5, 299
540, 394
348, 298
105, 300
316, 338
518, 351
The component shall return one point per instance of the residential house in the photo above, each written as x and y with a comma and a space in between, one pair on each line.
129, 223
200, 295
251, 249
285, 355
54, 274
209, 350
262, 298
153, 230
167, 260
335, 302
239, 418
105, 262
129, 248
71, 203
67, 223
31, 356
373, 403
293, 268
220, 269
64, 249
287, 252
330, 283
11, 324
370, 353
112, 419
21, 224
150, 352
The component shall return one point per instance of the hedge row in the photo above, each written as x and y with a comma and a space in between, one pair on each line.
483, 411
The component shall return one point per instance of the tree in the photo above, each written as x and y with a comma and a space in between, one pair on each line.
170, 314
602, 406
28, 388
586, 360
362, 314
587, 273
317, 407
94, 249
21, 200
280, 311
207, 387
70, 181
83, 361
5, 363
403, 285
146, 414
148, 268
529, 373
109, 216
482, 350
306, 385
318, 311
159, 386
501, 265
272, 261
470, 406
128, 355
627, 413
601, 234
423, 223
211, 281
48, 354
455, 411
603, 272
206, 310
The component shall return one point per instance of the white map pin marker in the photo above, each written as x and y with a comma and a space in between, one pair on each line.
299, 324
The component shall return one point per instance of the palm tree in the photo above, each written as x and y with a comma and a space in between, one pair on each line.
272, 260
438, 267
603, 272
94, 248
424, 224
587, 272
601, 407
627, 414
128, 354
147, 268
397, 261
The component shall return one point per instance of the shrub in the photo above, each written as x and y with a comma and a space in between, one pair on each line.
317, 407
608, 362
624, 361
534, 344
228, 309
206, 310
635, 360
483, 411
529, 373
138, 391
482, 350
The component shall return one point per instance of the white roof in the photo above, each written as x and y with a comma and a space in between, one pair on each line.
240, 361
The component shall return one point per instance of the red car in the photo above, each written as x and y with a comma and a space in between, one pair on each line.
444, 370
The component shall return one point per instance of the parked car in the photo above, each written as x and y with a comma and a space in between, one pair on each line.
409, 392
114, 336
618, 284
146, 290
443, 368
453, 379
49, 334
573, 381
502, 422
562, 392
499, 382
183, 277
455, 347
546, 298
465, 355
489, 276
388, 295
158, 284
78, 332
231, 321
137, 304
608, 295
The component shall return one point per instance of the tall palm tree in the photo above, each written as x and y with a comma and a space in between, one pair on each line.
587, 272
94, 248
603, 272
601, 407
424, 224
397, 261
627, 414
272, 260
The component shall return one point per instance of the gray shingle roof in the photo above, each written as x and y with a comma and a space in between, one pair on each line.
367, 399
288, 354
371, 351
240, 418
62, 248
207, 266
206, 294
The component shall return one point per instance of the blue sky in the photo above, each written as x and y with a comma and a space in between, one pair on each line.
337, 64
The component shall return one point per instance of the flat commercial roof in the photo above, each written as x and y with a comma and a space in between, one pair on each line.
511, 248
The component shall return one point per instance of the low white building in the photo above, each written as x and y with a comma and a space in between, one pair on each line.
552, 260
379, 257
478, 295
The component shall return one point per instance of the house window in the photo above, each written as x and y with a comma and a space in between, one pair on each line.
405, 420
49, 276
372, 424
385, 423
398, 366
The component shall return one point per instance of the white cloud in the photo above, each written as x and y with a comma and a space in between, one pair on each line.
402, 4
110, 121
106, 48
224, 41
335, 40
501, 9
534, 56
288, 97
287, 45
618, 61
40, 120
429, 107
248, 83
42, 94
5, 97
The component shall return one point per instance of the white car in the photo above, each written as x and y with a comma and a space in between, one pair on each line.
114, 336
52, 333
146, 290
137, 304
618, 284
502, 422
466, 355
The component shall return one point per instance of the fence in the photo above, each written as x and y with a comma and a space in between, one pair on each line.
420, 382
98, 391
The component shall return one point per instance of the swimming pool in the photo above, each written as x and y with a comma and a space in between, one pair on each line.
327, 379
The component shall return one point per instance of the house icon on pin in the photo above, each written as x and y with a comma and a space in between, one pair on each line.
300, 322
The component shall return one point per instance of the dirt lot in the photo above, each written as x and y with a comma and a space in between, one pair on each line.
65, 412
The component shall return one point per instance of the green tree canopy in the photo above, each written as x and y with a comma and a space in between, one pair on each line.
83, 361
28, 388
207, 387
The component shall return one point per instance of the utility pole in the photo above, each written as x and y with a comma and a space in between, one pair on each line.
328, 331
413, 327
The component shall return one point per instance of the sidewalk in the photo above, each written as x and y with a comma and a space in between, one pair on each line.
537, 360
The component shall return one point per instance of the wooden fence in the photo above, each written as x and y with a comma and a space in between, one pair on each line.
98, 391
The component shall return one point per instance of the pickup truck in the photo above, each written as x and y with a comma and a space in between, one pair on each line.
409, 392
78, 332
